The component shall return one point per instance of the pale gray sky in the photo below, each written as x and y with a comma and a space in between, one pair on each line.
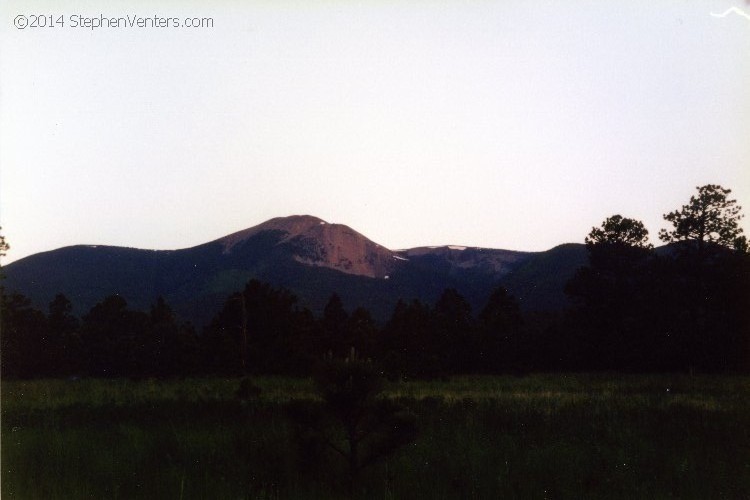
509, 124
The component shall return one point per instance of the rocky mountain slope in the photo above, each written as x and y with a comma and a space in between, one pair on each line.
314, 242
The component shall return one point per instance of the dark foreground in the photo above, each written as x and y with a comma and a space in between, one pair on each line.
544, 436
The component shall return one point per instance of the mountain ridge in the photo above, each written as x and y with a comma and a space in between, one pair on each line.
306, 254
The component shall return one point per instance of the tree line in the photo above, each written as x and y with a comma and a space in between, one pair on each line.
260, 330
682, 307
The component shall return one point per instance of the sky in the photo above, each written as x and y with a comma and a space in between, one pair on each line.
509, 124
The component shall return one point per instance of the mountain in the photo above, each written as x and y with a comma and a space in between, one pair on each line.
538, 282
305, 254
314, 242
460, 259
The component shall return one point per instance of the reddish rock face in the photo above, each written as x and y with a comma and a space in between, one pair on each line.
317, 243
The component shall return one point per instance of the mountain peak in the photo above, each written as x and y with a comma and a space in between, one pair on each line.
315, 242
292, 225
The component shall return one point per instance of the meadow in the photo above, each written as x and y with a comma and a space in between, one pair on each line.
538, 436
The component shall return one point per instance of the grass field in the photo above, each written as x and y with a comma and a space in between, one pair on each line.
540, 436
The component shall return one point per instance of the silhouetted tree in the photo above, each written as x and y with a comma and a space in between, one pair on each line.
353, 421
111, 334
223, 342
618, 245
361, 332
4, 246
335, 336
709, 270
23, 337
170, 348
162, 328
710, 219
255, 332
683, 309
8, 352
64, 346
455, 333
499, 347
606, 324
619, 230
408, 343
